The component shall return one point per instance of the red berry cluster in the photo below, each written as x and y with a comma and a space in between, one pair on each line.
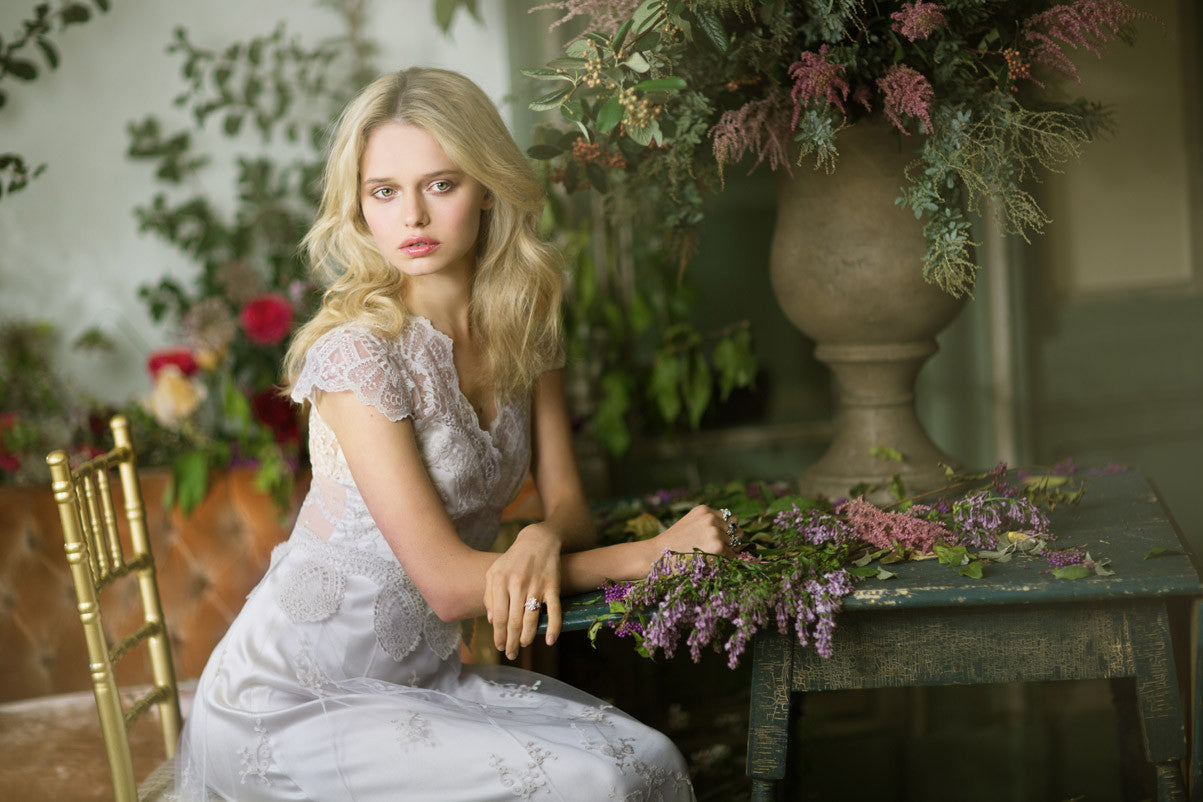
586, 152
1017, 68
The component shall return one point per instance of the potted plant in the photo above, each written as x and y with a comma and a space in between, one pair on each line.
916, 117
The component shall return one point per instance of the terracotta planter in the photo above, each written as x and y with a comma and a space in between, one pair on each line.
846, 269
206, 562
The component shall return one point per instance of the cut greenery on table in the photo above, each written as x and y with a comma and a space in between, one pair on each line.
804, 555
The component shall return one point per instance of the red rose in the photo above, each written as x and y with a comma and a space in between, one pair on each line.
182, 358
276, 413
266, 318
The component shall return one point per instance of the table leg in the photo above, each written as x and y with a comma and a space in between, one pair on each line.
768, 713
1157, 698
763, 791
1196, 698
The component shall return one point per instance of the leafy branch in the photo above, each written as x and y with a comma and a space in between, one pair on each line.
17, 62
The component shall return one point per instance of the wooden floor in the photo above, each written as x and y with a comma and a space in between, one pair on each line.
51, 750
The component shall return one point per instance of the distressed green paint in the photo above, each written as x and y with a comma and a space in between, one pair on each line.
931, 626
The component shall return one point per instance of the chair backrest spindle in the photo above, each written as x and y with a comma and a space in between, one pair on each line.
92, 540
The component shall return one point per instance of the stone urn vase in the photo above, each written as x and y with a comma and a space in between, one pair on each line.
846, 269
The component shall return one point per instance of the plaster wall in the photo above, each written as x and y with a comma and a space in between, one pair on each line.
70, 251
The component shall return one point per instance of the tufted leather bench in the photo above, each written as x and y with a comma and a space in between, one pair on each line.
207, 562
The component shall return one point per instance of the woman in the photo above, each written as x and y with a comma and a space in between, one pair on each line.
432, 374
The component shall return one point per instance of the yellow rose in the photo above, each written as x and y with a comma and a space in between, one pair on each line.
174, 396
209, 358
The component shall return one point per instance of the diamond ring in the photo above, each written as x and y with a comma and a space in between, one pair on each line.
726, 513
533, 604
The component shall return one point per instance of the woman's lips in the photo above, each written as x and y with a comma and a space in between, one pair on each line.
419, 246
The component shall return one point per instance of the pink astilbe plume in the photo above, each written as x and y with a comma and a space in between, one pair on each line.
882, 528
1086, 24
757, 127
916, 21
815, 77
904, 91
604, 15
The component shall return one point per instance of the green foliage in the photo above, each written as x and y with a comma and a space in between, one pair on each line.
677, 75
274, 97
17, 61
40, 410
445, 11
640, 364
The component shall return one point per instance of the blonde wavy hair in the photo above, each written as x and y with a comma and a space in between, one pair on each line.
517, 283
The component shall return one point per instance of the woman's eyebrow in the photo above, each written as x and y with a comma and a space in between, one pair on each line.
450, 171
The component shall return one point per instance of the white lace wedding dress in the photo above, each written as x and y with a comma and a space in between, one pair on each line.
338, 682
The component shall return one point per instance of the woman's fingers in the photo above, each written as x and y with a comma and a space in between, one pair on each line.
499, 614
530, 621
555, 618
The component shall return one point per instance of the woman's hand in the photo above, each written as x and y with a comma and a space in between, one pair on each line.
703, 528
529, 569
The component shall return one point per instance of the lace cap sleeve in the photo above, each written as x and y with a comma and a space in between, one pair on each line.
359, 361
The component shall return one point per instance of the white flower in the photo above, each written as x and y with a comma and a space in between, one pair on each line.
174, 396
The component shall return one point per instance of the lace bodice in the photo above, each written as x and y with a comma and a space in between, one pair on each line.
475, 471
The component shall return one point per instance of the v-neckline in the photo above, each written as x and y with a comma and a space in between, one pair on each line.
463, 400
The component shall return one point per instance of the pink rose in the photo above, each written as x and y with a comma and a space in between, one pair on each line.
266, 318
182, 358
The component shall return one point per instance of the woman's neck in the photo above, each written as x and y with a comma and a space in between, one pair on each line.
443, 300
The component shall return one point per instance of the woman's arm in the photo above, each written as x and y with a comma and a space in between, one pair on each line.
554, 467
535, 565
530, 567
387, 468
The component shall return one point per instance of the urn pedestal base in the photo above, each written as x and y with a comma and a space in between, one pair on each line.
875, 408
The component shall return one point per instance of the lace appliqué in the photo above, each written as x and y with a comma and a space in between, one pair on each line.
526, 782
309, 674
413, 731
311, 590
515, 690
355, 359
653, 779
257, 761
595, 715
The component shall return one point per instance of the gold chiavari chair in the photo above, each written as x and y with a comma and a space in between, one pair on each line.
93, 541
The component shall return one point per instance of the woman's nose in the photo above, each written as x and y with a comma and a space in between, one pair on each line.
415, 211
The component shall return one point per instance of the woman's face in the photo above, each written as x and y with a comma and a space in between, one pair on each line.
422, 210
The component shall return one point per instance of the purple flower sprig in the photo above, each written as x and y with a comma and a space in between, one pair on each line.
709, 601
983, 516
1059, 558
814, 527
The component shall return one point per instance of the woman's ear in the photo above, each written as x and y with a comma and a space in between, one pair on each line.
487, 202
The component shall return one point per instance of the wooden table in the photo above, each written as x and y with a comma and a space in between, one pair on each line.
931, 626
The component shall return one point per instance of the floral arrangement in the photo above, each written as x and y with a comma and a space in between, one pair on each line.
658, 97
805, 555
215, 400
217, 394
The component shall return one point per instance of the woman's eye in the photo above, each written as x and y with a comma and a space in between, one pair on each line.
441, 186
384, 192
